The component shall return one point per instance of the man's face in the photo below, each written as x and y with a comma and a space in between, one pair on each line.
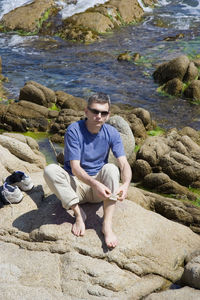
97, 114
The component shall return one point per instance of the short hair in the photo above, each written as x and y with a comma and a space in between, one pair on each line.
99, 98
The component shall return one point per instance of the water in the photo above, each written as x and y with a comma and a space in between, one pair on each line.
81, 69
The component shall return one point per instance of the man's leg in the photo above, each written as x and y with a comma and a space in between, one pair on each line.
110, 237
78, 228
109, 175
64, 186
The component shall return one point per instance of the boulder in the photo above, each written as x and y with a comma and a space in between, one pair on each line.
140, 266
37, 93
19, 154
27, 18
93, 21
173, 87
162, 183
192, 73
175, 155
183, 212
175, 68
193, 90
127, 137
87, 26
191, 274
64, 100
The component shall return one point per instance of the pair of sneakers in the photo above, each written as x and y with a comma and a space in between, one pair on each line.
13, 184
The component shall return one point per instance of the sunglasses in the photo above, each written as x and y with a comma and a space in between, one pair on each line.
96, 112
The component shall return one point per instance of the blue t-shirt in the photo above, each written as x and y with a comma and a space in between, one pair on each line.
91, 149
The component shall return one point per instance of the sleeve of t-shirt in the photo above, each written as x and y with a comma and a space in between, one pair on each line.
72, 149
117, 144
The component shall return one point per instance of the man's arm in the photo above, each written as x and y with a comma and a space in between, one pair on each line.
103, 191
126, 175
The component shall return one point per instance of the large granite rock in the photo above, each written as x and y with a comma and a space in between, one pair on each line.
175, 155
37, 232
21, 153
28, 17
173, 74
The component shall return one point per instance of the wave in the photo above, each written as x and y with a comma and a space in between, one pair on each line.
80, 6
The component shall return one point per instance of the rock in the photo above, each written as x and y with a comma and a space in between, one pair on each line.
93, 21
87, 26
144, 115
175, 155
141, 169
37, 93
18, 155
184, 293
191, 274
137, 127
28, 17
183, 211
173, 87
192, 73
193, 90
65, 100
162, 183
127, 137
124, 56
191, 132
175, 68
133, 263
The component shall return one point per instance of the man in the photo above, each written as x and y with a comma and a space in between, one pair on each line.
87, 176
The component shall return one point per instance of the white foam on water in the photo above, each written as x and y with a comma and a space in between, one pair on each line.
192, 10
81, 5
163, 2
145, 8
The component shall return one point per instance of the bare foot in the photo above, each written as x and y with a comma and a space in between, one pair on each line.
110, 237
78, 228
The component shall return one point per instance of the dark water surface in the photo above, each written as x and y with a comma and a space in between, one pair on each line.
80, 69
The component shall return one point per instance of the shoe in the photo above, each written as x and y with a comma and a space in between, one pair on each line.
20, 179
10, 194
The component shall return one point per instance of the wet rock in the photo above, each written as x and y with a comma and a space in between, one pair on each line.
27, 18
93, 21
88, 25
173, 74
173, 87
193, 90
192, 73
175, 68
124, 56
37, 93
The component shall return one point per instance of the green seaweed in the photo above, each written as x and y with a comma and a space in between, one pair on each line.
156, 132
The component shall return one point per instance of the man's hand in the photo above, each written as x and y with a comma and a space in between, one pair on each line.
103, 192
122, 192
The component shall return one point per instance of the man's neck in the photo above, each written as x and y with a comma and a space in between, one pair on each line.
92, 129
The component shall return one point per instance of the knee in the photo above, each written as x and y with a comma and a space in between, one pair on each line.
111, 169
49, 171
